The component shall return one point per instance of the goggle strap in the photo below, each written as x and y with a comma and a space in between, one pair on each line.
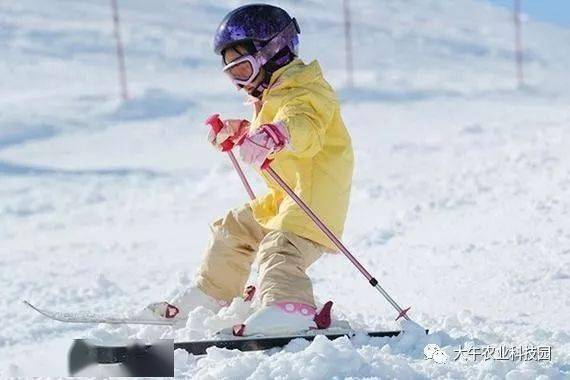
277, 43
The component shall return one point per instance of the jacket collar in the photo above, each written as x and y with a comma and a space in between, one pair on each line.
295, 73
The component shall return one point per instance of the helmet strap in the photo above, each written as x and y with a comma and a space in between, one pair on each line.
284, 57
257, 92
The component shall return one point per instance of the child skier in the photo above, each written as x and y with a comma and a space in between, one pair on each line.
297, 124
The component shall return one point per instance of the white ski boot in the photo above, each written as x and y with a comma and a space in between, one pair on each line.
184, 302
284, 318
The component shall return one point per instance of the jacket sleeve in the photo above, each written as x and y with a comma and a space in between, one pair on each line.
306, 127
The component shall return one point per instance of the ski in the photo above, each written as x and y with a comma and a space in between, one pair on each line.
143, 357
79, 317
264, 343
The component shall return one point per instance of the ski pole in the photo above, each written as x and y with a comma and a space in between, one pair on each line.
216, 123
401, 312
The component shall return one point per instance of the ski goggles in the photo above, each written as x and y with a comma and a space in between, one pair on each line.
243, 70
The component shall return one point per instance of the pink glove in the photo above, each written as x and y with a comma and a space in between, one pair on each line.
233, 130
259, 144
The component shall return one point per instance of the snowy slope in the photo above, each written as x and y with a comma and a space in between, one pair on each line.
460, 204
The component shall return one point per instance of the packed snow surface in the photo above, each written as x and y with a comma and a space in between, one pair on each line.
460, 204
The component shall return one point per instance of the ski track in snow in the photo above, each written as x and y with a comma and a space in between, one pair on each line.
460, 202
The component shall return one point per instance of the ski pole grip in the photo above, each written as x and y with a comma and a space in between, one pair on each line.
217, 124
266, 163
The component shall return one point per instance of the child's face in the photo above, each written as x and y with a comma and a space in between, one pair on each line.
243, 70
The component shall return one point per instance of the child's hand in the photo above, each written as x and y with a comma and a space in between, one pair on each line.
233, 130
268, 139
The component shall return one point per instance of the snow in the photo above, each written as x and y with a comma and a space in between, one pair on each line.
460, 203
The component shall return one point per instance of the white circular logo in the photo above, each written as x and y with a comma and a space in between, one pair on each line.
432, 351
440, 357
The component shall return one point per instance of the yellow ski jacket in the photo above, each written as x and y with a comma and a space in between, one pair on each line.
318, 163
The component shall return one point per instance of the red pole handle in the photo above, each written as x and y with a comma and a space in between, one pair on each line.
217, 124
266, 164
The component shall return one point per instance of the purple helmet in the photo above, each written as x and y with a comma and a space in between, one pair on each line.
255, 26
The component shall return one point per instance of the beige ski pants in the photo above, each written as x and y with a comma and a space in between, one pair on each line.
283, 258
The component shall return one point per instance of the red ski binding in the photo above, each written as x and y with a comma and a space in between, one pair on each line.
323, 318
171, 311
